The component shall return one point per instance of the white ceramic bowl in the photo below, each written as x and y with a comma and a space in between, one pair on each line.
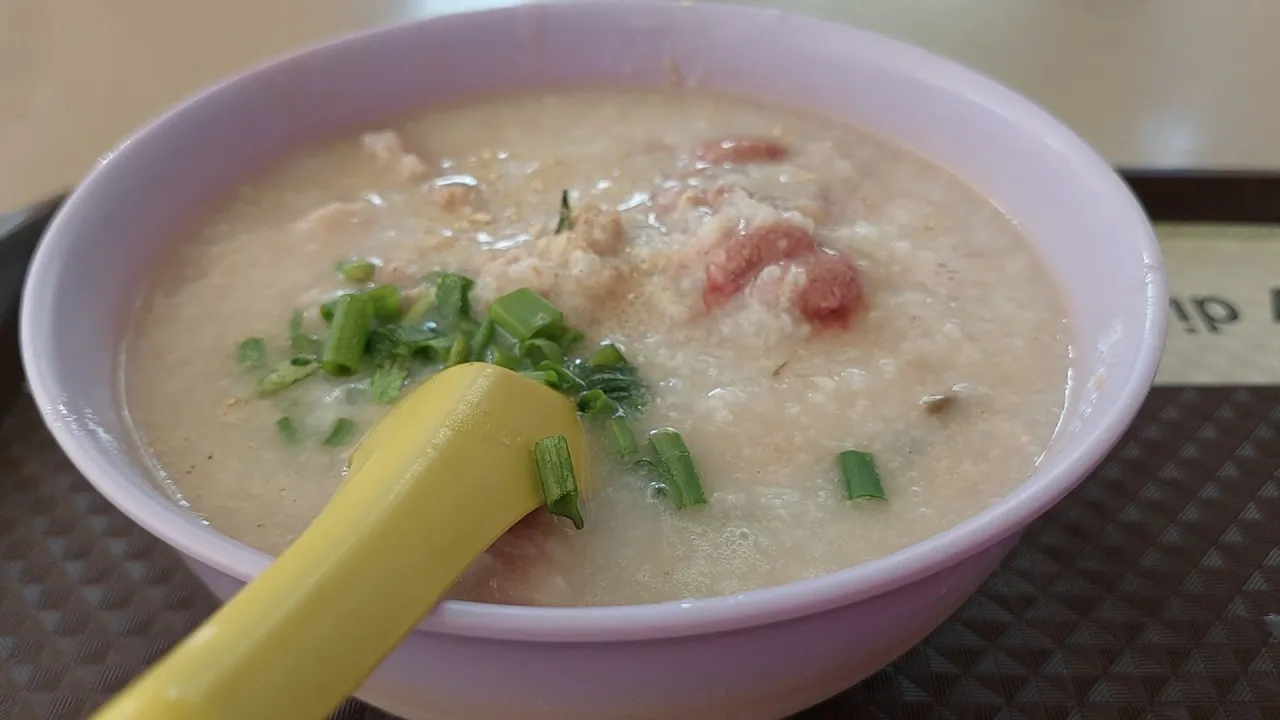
761, 654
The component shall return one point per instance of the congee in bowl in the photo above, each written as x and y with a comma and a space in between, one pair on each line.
857, 349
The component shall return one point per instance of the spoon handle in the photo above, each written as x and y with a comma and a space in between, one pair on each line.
444, 475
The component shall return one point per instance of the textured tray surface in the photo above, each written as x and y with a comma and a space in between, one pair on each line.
1145, 595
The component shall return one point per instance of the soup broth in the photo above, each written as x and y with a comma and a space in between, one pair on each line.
788, 288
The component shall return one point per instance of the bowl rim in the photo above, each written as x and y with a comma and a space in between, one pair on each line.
999, 521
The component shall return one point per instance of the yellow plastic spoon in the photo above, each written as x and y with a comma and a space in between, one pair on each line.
438, 480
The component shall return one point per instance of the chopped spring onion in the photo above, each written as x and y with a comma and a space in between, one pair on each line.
607, 356
340, 433
483, 338
415, 336
393, 348
608, 370
595, 402
503, 358
418, 310
525, 314
555, 474
676, 464
621, 438
439, 348
295, 322
546, 377
287, 429
621, 383
388, 378
539, 350
859, 476
385, 300
567, 338
565, 380
356, 270
453, 298
460, 352
344, 348
286, 374
251, 353
326, 310
400, 340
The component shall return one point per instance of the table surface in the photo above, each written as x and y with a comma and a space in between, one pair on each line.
1151, 83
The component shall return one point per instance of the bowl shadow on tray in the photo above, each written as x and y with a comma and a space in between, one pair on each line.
19, 234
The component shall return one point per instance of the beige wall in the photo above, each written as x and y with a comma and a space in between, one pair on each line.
1150, 82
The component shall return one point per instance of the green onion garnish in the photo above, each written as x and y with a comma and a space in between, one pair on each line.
287, 429
355, 270
392, 348
344, 349
286, 374
415, 336
565, 221
418, 310
676, 464
326, 310
565, 380
859, 476
460, 352
388, 378
621, 383
555, 474
540, 350
453, 298
546, 377
438, 349
400, 339
622, 439
567, 338
385, 300
295, 322
525, 314
251, 353
607, 356
340, 432
503, 358
595, 402
483, 338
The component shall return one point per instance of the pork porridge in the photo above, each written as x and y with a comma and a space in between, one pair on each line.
857, 349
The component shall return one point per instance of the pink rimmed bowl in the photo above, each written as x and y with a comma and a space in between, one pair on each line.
761, 654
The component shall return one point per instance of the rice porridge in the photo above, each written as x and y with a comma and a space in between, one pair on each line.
787, 288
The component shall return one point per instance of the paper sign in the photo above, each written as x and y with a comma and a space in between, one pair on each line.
1224, 305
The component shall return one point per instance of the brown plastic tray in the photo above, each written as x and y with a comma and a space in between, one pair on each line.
1148, 594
